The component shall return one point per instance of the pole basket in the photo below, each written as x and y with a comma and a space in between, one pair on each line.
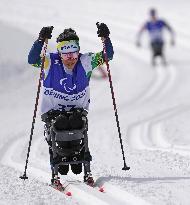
24, 177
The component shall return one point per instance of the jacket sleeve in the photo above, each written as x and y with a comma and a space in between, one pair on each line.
168, 27
109, 49
34, 54
142, 29
94, 60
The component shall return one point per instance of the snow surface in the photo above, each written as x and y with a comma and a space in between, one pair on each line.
153, 105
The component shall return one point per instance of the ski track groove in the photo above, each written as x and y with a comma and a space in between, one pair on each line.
81, 192
164, 80
146, 134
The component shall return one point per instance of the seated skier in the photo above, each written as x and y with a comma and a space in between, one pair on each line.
66, 80
70, 145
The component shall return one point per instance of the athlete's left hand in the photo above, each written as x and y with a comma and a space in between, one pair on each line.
103, 30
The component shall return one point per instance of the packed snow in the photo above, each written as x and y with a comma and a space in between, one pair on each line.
153, 105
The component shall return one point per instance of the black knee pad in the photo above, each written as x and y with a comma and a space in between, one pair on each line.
63, 169
76, 168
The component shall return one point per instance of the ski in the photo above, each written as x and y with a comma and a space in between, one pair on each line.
61, 187
99, 188
94, 185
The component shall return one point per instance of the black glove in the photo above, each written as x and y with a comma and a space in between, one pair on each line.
103, 30
45, 33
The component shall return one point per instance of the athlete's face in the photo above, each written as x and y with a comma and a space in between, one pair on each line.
70, 59
153, 17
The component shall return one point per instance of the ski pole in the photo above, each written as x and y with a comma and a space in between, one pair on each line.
36, 106
114, 102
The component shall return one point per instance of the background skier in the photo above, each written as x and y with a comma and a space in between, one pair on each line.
66, 79
155, 27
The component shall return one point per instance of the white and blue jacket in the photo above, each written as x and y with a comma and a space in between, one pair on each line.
64, 89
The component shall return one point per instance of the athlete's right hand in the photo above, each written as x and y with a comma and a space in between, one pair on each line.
45, 33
